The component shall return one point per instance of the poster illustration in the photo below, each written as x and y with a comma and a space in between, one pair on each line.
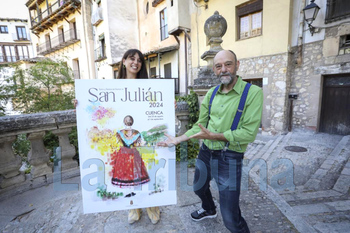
119, 124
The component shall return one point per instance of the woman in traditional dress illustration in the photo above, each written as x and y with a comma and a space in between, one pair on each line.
128, 166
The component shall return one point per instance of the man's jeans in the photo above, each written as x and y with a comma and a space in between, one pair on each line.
226, 168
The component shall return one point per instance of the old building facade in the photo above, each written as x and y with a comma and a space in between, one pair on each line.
302, 75
60, 32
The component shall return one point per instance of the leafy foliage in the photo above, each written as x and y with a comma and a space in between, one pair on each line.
154, 134
103, 194
188, 151
43, 87
21, 146
3, 91
193, 107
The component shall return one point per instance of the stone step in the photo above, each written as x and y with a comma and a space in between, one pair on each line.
343, 183
305, 196
326, 216
253, 148
326, 176
273, 146
262, 151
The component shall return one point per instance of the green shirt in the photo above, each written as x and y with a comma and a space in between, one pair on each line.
222, 113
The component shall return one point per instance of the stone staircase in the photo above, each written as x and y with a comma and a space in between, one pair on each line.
318, 199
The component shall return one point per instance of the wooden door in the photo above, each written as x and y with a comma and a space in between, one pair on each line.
335, 110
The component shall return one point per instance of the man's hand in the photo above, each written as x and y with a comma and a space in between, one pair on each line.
172, 141
203, 134
206, 134
169, 142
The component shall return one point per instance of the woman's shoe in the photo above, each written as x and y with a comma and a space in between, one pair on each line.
153, 214
134, 215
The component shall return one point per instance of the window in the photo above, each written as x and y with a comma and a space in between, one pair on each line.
147, 7
167, 70
48, 42
10, 54
3, 29
249, 19
337, 10
21, 33
22, 51
257, 81
163, 25
153, 72
60, 35
2, 56
100, 52
344, 45
73, 35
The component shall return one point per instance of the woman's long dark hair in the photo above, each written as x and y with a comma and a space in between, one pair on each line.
142, 74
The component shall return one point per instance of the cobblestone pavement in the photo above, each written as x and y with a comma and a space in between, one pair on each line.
63, 212
315, 204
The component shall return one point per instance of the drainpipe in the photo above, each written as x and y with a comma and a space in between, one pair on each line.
301, 32
292, 96
159, 64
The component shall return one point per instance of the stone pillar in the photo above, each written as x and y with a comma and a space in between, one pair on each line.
9, 163
38, 155
182, 117
214, 28
68, 150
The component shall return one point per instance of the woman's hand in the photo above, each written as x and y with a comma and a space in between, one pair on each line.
75, 102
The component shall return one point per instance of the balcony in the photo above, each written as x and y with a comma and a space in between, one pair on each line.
100, 53
8, 59
56, 43
59, 10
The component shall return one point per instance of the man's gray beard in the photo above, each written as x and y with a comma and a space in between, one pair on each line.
226, 82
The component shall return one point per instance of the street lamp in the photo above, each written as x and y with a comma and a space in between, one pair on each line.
310, 13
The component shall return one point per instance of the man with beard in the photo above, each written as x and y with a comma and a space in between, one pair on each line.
222, 151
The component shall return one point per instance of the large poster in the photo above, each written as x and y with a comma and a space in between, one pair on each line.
119, 124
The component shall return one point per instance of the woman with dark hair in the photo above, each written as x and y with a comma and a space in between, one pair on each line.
133, 66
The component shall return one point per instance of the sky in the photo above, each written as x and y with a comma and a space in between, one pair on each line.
13, 9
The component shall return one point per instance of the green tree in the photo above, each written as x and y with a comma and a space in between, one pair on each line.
188, 151
43, 87
3, 91
46, 86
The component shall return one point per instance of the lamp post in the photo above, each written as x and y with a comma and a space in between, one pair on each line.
310, 14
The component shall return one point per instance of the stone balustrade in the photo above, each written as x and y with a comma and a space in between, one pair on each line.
35, 126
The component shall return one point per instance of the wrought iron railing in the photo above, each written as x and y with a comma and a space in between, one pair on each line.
100, 53
49, 11
12, 58
62, 40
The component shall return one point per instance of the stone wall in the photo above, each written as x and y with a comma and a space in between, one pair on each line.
318, 59
276, 86
274, 72
13, 180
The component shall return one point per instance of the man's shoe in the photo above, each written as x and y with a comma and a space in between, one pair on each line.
203, 214
134, 215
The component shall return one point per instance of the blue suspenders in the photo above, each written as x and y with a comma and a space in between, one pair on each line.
239, 109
